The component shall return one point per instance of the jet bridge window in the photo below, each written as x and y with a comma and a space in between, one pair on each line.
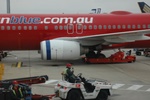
2, 28
19, 27
8, 27
13, 27
46, 27
30, 27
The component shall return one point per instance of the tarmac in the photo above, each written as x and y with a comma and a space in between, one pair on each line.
131, 81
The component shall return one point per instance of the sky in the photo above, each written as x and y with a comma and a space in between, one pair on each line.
70, 6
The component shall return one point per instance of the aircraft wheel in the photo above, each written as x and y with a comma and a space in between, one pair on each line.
74, 95
102, 95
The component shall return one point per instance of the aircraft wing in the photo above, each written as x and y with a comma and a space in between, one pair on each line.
111, 38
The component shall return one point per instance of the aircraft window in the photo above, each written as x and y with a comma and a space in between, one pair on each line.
65, 27
123, 26
100, 26
25, 27
129, 26
144, 26
118, 26
79, 27
19, 27
30, 27
46, 27
105, 27
35, 27
109, 26
2, 28
84, 27
60, 28
56, 27
149, 26
133, 27
8, 27
95, 27
70, 27
13, 27
90, 27
139, 26
114, 26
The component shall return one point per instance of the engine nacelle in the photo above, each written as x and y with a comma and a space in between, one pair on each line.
61, 50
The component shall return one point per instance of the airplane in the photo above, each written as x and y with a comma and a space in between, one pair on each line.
144, 7
68, 36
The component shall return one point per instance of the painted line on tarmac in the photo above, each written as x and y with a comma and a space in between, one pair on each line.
116, 86
148, 90
51, 81
135, 87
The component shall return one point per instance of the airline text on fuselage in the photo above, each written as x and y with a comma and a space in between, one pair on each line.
46, 20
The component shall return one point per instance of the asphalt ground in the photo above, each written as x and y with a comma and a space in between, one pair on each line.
131, 81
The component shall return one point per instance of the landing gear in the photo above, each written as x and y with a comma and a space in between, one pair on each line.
92, 54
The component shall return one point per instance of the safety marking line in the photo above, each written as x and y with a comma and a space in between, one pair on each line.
116, 86
134, 87
148, 90
51, 81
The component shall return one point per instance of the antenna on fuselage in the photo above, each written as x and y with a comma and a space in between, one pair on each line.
8, 6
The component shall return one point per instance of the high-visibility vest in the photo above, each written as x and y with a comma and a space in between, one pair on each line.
65, 72
20, 91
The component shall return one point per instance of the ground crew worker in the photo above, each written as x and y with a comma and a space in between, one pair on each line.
16, 91
129, 52
69, 73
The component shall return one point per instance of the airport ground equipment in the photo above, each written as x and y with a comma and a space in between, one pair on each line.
118, 57
144, 51
139, 51
25, 83
83, 89
147, 52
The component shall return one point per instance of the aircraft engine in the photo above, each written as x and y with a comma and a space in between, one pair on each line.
61, 50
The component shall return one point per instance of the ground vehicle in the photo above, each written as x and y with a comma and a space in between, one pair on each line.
25, 84
138, 51
83, 89
147, 52
118, 57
